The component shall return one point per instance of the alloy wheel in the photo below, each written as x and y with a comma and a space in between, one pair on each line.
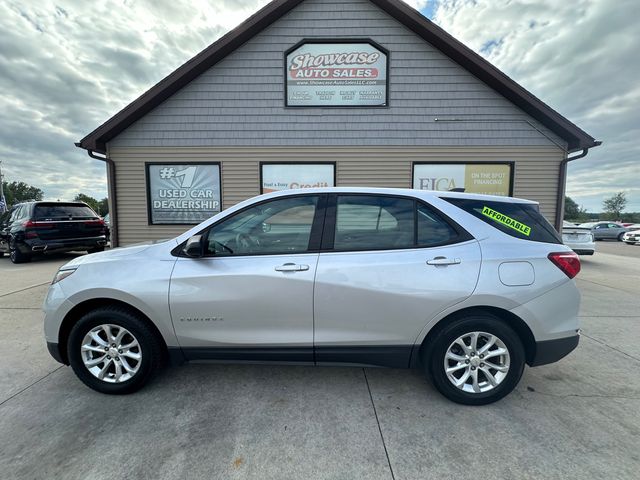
477, 362
111, 353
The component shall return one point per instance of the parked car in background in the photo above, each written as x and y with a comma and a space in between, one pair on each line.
468, 288
605, 230
579, 239
632, 237
36, 228
107, 222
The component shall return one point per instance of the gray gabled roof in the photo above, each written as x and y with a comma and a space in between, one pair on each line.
575, 137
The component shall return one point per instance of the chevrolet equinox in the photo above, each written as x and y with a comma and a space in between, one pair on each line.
468, 288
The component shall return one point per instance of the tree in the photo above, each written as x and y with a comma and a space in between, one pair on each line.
18, 192
572, 211
101, 207
615, 205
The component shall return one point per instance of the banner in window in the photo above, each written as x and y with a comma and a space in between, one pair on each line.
336, 75
286, 176
485, 178
181, 193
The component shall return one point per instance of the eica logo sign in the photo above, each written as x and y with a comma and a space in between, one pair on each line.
183, 194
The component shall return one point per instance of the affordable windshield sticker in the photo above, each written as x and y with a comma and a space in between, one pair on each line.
507, 221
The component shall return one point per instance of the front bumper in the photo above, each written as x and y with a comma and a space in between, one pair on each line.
550, 351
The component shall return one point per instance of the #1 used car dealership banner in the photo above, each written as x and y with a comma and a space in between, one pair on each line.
183, 194
489, 179
336, 74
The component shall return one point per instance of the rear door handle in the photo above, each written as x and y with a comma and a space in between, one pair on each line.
443, 261
292, 267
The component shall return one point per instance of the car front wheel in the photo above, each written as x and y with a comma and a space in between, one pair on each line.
476, 360
113, 351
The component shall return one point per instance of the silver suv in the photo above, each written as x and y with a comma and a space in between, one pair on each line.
468, 288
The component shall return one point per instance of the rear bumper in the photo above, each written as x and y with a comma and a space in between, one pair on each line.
54, 351
41, 246
550, 351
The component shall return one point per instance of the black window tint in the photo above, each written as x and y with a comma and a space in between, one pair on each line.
277, 227
432, 229
374, 222
51, 212
519, 220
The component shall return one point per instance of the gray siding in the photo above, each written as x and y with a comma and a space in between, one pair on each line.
240, 101
536, 171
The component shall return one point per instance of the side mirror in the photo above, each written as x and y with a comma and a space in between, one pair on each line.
194, 247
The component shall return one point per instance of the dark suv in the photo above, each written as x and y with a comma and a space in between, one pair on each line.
41, 227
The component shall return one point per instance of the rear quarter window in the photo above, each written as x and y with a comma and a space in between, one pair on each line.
520, 220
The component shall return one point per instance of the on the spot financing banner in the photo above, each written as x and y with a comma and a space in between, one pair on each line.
290, 176
489, 179
182, 193
336, 74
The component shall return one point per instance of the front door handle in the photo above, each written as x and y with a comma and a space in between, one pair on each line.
292, 267
443, 261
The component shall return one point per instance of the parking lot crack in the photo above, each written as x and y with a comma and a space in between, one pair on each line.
375, 412
30, 385
612, 348
568, 395
25, 288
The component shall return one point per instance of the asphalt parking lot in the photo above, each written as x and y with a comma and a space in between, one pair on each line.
574, 419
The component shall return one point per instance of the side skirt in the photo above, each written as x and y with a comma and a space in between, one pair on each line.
393, 356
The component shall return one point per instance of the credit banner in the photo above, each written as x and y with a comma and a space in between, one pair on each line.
336, 74
183, 193
489, 179
289, 176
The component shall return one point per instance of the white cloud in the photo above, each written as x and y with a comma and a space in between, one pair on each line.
68, 65
580, 57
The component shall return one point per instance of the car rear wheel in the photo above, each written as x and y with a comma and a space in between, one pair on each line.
17, 256
95, 250
113, 351
475, 360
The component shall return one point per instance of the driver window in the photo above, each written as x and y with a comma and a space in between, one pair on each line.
276, 227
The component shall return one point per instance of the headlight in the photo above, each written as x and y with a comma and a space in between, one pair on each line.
62, 274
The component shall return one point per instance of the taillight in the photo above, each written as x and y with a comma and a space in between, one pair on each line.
568, 262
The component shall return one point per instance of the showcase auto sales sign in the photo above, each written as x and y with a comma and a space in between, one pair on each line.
336, 74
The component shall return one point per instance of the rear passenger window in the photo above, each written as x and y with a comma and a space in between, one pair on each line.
432, 229
374, 222
520, 220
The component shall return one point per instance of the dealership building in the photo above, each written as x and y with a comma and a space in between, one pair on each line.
328, 92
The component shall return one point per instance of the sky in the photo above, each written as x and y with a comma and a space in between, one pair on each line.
69, 65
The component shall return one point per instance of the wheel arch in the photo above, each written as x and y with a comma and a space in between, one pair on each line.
82, 308
519, 326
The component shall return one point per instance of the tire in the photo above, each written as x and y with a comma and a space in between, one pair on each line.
149, 349
487, 326
95, 250
620, 237
17, 256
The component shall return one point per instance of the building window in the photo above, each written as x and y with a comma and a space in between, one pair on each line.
480, 177
286, 176
182, 193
